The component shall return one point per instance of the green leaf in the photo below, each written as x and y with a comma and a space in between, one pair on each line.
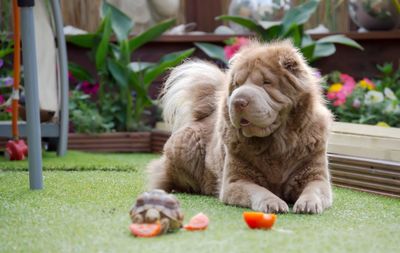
269, 24
151, 34
323, 50
134, 82
83, 40
118, 72
6, 52
80, 73
340, 39
166, 62
140, 66
295, 33
245, 22
124, 52
386, 68
102, 50
121, 24
212, 51
115, 50
306, 40
272, 33
299, 14
308, 51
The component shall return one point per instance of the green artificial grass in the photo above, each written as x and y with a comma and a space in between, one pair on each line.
75, 160
86, 210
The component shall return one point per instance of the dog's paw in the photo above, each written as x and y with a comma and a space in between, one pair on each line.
271, 205
310, 203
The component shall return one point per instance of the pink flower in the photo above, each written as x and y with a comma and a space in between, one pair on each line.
339, 102
230, 50
89, 88
331, 95
341, 95
346, 79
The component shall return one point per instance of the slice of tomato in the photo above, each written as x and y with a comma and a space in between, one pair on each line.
198, 222
259, 220
145, 230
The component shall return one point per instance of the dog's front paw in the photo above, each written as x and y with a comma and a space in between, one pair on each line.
310, 203
271, 205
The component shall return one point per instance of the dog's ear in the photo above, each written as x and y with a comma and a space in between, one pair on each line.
290, 62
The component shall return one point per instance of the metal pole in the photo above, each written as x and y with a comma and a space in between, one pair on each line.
62, 56
32, 94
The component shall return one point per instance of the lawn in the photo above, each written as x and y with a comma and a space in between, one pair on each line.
84, 208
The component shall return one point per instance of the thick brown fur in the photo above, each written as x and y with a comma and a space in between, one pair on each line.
254, 136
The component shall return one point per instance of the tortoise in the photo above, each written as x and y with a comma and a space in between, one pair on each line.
157, 206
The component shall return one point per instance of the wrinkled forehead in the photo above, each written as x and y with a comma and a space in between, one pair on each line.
254, 68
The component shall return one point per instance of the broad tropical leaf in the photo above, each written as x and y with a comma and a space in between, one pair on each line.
80, 73
150, 34
118, 72
308, 51
121, 24
140, 66
340, 39
83, 40
124, 52
245, 22
322, 50
299, 14
212, 51
166, 62
102, 50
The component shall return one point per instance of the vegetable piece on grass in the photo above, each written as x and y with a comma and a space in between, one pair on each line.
197, 222
145, 230
259, 220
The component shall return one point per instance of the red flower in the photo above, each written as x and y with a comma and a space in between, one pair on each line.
89, 88
230, 50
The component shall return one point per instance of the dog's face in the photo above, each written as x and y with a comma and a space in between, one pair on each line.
265, 84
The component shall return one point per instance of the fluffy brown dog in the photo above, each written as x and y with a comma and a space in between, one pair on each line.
254, 136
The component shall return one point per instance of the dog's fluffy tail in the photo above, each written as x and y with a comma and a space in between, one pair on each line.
189, 94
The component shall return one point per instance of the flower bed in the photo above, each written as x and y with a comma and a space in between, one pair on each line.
373, 102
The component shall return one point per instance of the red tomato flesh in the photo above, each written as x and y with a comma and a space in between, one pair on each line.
259, 220
198, 222
145, 230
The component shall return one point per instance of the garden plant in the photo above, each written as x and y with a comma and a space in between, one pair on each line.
366, 101
290, 27
122, 87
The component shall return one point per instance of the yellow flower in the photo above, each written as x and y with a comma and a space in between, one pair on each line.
367, 84
382, 124
336, 87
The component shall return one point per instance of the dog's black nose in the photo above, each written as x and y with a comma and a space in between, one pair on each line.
240, 103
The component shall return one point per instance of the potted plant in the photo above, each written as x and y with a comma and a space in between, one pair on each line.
120, 95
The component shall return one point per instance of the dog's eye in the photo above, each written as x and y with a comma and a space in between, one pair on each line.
267, 82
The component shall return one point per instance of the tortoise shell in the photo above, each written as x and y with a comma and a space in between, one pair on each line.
167, 204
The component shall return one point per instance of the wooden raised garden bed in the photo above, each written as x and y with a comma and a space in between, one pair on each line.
367, 141
111, 142
366, 158
119, 142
